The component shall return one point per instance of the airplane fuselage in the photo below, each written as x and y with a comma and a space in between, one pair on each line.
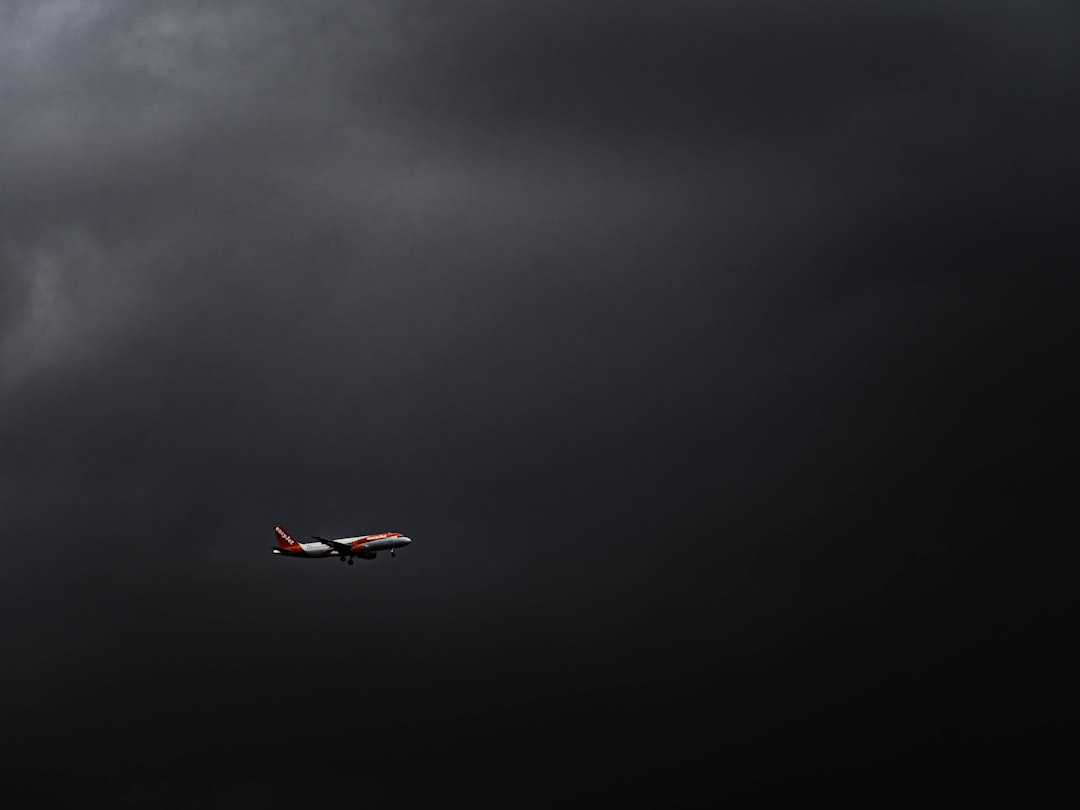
365, 546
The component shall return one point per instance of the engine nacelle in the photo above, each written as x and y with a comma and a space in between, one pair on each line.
367, 555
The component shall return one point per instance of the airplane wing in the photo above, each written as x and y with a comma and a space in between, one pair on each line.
343, 547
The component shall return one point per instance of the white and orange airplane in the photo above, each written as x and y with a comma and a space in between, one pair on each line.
345, 548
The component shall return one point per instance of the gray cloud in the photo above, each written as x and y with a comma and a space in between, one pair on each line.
663, 331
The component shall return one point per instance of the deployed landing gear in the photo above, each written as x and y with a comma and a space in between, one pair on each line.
392, 551
350, 560
341, 558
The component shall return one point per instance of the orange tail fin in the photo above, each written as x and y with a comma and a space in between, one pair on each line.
285, 540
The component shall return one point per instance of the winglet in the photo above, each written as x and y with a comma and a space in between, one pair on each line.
342, 548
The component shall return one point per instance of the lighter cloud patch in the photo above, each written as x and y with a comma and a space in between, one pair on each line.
75, 296
32, 34
206, 50
96, 59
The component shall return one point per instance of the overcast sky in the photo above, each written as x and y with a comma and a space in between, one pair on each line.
714, 355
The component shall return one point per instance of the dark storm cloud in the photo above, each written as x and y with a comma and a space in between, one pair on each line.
682, 71
686, 340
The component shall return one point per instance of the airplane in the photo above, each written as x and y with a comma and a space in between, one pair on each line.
345, 548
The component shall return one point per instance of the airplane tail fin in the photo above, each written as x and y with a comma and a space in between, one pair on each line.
285, 540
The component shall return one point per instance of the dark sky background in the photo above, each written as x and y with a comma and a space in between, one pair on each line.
718, 358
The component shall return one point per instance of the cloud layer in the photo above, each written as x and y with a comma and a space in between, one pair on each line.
714, 356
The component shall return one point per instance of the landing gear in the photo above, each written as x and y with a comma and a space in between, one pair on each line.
350, 560
341, 558
392, 551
